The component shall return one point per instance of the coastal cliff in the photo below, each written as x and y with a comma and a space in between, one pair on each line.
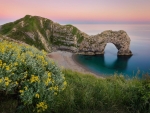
50, 36
43, 33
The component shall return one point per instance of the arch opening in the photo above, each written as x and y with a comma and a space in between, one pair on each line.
110, 48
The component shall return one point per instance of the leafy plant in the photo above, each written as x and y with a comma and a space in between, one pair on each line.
29, 74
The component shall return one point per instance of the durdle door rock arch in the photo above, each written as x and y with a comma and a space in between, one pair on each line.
95, 44
51, 36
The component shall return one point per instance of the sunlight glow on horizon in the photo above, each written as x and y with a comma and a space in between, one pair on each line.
85, 11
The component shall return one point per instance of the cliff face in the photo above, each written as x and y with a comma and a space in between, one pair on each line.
96, 44
45, 34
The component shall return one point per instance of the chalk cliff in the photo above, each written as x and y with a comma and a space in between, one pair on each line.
50, 36
43, 33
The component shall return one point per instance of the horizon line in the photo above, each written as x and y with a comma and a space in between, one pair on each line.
9, 20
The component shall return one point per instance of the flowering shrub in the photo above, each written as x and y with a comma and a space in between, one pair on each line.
30, 74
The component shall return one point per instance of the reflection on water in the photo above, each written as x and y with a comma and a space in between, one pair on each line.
120, 63
110, 63
99, 63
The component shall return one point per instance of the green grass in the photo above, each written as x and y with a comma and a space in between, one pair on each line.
89, 94
32, 24
6, 28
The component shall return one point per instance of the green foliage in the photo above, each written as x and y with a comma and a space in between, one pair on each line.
21, 36
80, 38
31, 24
89, 94
30, 75
74, 31
6, 28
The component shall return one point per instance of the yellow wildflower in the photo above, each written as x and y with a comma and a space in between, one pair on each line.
37, 95
4, 64
41, 106
15, 63
21, 91
7, 68
1, 63
25, 76
7, 83
50, 88
16, 83
1, 80
65, 83
34, 79
55, 93
25, 87
56, 88
6, 78
49, 74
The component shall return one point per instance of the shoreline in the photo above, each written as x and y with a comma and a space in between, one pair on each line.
86, 69
67, 60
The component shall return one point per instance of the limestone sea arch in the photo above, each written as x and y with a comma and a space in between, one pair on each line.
50, 36
96, 44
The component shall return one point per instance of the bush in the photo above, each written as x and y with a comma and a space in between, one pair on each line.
29, 74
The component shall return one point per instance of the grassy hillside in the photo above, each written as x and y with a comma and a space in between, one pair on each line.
41, 32
89, 94
17, 30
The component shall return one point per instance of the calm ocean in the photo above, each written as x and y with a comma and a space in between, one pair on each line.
109, 63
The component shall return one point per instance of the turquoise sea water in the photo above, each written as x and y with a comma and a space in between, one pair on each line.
109, 63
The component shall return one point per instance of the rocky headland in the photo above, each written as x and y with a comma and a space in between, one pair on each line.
50, 36
96, 44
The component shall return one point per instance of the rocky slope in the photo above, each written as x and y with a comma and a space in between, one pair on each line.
45, 34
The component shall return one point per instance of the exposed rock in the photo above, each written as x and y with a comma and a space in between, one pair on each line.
14, 29
22, 23
96, 44
45, 43
41, 22
48, 35
30, 34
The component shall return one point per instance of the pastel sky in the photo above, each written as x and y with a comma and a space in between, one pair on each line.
78, 11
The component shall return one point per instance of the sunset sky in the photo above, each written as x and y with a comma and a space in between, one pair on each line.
78, 11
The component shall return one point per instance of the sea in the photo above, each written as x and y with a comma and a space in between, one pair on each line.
108, 64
